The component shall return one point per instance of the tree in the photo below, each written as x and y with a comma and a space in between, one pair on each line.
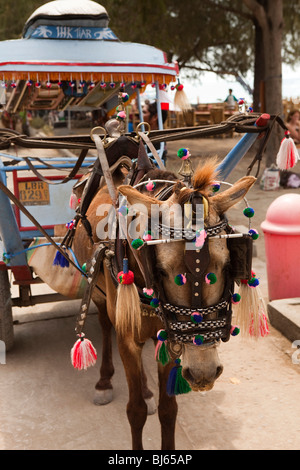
221, 36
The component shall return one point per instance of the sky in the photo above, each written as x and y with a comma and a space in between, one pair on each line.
211, 89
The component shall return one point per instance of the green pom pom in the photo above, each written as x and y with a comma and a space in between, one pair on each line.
83, 267
210, 278
248, 212
154, 303
137, 243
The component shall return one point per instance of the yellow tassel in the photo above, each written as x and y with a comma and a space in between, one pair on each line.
128, 310
181, 100
251, 313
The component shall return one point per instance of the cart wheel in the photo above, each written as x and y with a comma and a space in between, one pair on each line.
6, 320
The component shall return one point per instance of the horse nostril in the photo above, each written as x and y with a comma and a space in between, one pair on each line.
219, 371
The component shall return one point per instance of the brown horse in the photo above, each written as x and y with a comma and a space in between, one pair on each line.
200, 362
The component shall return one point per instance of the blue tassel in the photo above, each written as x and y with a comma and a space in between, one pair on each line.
177, 385
60, 260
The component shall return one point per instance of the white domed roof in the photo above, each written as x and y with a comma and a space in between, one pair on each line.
69, 7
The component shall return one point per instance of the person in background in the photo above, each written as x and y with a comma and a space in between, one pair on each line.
293, 125
231, 100
150, 114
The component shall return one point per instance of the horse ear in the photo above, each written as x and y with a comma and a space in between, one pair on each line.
135, 197
233, 195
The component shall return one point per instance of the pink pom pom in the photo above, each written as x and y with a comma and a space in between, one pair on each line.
148, 292
121, 115
150, 186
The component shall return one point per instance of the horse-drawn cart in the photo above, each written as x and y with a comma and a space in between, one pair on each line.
92, 69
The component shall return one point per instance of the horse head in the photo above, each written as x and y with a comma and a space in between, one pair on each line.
192, 276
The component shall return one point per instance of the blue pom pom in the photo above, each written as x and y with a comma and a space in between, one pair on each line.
198, 340
154, 303
248, 212
196, 317
254, 282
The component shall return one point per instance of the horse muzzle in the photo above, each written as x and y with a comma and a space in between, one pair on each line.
201, 366
200, 382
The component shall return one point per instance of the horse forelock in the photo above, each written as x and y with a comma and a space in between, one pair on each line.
205, 175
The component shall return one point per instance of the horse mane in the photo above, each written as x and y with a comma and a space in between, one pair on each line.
157, 174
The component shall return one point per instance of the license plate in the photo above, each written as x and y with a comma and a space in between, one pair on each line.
34, 193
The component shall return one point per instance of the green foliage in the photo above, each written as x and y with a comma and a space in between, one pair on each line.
13, 16
215, 35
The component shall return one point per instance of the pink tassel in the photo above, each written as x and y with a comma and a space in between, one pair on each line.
83, 353
287, 156
263, 328
73, 202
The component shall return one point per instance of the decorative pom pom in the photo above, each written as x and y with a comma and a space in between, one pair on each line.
177, 385
154, 303
83, 353
102, 84
162, 335
150, 185
112, 85
200, 238
70, 225
60, 260
236, 298
215, 187
248, 212
83, 267
234, 330
183, 154
180, 279
125, 97
123, 210
147, 235
121, 116
254, 234
126, 278
254, 282
198, 340
137, 243
196, 317
287, 156
161, 351
148, 293
210, 278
